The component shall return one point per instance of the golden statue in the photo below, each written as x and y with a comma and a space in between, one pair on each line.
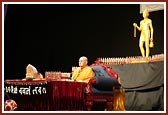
146, 35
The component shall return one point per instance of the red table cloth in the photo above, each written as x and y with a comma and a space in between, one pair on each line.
42, 95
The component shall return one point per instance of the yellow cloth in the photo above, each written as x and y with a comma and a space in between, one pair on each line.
83, 74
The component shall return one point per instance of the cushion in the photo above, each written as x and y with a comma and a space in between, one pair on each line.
104, 83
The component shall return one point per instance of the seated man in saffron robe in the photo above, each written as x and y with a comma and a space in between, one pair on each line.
83, 72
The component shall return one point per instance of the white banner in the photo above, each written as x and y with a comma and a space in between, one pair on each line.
151, 7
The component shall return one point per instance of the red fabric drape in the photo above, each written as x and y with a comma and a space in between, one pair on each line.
67, 95
59, 96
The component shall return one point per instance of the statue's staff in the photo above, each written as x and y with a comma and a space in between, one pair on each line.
134, 31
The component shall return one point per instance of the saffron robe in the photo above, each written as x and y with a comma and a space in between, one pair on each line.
83, 74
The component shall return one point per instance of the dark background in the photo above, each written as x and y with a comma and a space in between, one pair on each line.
52, 37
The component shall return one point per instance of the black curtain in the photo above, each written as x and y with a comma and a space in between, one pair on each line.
52, 37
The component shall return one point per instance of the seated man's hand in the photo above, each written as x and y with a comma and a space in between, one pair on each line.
73, 69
